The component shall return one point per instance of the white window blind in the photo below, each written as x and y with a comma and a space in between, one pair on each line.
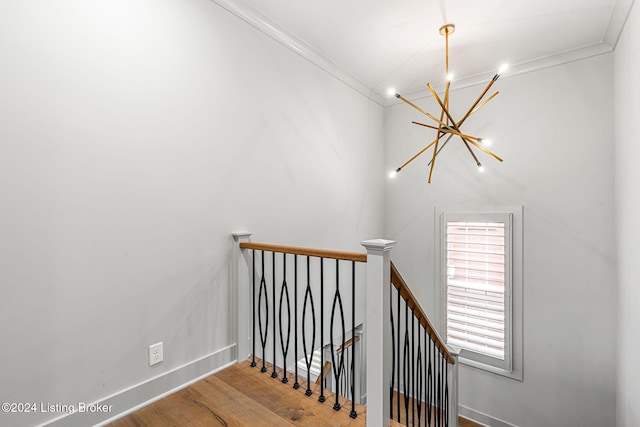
476, 259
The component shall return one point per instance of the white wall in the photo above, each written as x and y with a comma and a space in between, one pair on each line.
554, 130
627, 178
136, 135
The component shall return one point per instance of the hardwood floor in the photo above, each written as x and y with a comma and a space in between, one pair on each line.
463, 422
241, 396
401, 416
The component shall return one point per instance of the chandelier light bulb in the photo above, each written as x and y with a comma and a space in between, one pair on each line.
391, 91
480, 168
450, 77
485, 142
393, 174
503, 68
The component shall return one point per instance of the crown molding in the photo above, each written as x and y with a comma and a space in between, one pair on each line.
617, 20
514, 70
257, 20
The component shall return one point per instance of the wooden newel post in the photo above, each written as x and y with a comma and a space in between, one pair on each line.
378, 331
242, 292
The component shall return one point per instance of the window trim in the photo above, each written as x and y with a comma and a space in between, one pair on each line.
513, 368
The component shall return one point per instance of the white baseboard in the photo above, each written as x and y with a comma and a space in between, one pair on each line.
481, 418
140, 395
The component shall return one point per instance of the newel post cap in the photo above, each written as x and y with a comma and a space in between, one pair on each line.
241, 236
378, 245
454, 350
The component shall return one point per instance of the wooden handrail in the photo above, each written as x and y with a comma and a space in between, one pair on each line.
412, 303
325, 371
396, 280
321, 253
348, 343
327, 365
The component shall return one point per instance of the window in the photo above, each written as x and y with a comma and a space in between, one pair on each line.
481, 287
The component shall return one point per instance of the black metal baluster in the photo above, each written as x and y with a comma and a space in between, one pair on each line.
427, 408
430, 384
419, 377
308, 357
446, 394
444, 379
343, 375
413, 379
263, 335
393, 351
417, 372
274, 374
441, 389
407, 363
253, 311
284, 291
296, 384
321, 398
437, 382
353, 413
346, 385
398, 346
337, 367
438, 378
444, 382
439, 393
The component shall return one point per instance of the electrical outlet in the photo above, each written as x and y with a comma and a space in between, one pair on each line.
155, 354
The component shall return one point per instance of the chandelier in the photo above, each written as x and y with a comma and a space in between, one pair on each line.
446, 127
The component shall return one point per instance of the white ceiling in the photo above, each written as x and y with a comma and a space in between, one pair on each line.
377, 44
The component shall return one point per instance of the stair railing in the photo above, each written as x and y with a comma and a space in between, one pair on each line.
424, 375
301, 301
294, 301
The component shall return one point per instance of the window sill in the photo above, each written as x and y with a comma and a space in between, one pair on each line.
515, 374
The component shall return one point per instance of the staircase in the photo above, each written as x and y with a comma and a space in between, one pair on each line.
298, 305
357, 347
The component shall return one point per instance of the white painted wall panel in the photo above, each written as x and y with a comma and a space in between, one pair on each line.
135, 137
554, 130
627, 178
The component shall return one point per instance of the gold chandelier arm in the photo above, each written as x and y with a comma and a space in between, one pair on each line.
419, 152
444, 108
473, 106
484, 103
466, 144
427, 126
441, 147
446, 95
433, 158
433, 163
431, 116
446, 103
485, 150
447, 130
